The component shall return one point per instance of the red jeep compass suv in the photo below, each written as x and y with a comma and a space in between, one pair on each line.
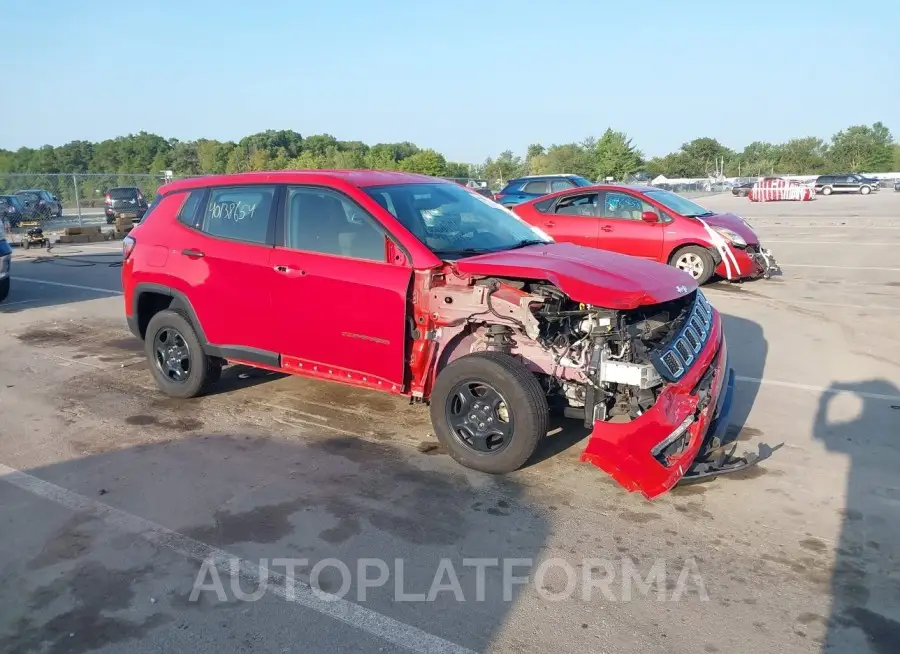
420, 287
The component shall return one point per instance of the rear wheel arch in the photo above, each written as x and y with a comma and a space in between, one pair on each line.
150, 299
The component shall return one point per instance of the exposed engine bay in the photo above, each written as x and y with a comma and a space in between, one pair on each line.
594, 363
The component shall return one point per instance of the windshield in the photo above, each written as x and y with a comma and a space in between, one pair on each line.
123, 193
454, 221
678, 204
27, 196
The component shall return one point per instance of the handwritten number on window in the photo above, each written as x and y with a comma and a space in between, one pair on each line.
235, 211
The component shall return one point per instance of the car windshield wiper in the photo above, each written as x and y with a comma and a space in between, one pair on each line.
526, 243
441, 253
699, 215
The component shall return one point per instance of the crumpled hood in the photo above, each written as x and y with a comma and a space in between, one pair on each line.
734, 223
598, 277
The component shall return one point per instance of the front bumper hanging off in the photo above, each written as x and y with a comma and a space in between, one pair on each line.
765, 260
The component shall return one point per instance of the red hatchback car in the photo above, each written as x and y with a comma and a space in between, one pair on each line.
654, 224
420, 287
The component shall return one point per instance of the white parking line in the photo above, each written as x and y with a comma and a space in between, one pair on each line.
799, 241
63, 285
817, 389
861, 307
820, 265
358, 617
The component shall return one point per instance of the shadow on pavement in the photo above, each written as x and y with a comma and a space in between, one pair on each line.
76, 581
859, 419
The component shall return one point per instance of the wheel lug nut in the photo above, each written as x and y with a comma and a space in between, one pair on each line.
481, 425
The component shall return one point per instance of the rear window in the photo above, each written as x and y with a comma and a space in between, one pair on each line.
123, 193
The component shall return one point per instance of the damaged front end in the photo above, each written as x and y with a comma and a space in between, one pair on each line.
652, 382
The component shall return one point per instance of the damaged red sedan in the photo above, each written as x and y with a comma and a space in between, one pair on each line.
420, 287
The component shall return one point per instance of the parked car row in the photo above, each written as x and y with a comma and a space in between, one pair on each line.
29, 205
420, 287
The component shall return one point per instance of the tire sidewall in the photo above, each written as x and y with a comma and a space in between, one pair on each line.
827, 190
197, 376
865, 190
526, 416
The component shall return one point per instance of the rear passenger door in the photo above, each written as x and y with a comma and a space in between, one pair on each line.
223, 254
340, 303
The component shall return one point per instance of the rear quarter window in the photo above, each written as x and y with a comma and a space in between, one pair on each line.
538, 187
544, 205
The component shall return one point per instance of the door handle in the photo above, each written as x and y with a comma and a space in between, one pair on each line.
549, 223
289, 270
193, 254
606, 228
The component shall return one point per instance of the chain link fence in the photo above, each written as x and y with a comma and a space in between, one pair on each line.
73, 198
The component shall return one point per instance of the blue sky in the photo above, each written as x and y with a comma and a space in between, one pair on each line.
469, 79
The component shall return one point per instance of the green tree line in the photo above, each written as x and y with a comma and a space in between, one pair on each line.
860, 148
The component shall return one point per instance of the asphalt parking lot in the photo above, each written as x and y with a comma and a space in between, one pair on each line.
112, 496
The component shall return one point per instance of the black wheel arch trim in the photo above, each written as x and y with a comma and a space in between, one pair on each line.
181, 298
248, 354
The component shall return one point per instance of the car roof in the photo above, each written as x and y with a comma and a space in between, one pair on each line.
551, 176
637, 188
360, 178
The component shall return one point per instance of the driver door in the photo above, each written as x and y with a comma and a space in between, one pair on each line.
623, 230
339, 304
572, 219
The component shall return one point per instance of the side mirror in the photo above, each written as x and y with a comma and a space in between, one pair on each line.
650, 217
395, 255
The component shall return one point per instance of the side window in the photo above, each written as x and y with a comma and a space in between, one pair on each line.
851, 180
560, 185
188, 213
544, 205
240, 213
538, 187
320, 220
622, 206
583, 204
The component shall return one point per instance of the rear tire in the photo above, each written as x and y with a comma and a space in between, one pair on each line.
826, 190
519, 407
201, 371
695, 261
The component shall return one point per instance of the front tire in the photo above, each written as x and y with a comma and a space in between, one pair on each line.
490, 412
695, 261
177, 361
4, 289
865, 190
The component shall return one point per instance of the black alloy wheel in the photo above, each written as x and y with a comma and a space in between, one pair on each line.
172, 354
479, 417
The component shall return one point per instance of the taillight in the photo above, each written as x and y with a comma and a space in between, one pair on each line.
128, 244
498, 197
140, 198
108, 199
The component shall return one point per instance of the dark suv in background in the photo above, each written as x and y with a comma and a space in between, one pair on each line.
125, 201
40, 203
849, 183
523, 189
